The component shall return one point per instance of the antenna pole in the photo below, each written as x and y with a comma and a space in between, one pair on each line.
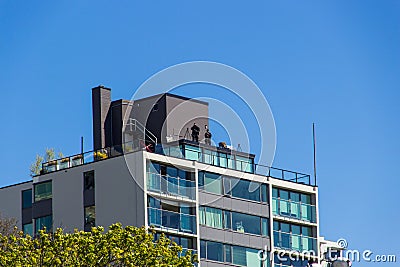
81, 144
315, 155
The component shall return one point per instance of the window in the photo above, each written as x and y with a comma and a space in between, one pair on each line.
240, 256
235, 187
294, 237
90, 216
170, 180
88, 178
264, 193
227, 219
211, 217
28, 229
44, 222
185, 242
43, 191
245, 189
245, 256
210, 182
235, 221
245, 223
293, 204
203, 249
286, 261
27, 199
215, 251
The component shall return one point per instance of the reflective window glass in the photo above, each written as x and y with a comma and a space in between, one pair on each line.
245, 189
27, 199
215, 251
203, 249
212, 183
90, 216
28, 229
44, 222
43, 191
245, 223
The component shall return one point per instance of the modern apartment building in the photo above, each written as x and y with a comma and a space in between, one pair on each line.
146, 170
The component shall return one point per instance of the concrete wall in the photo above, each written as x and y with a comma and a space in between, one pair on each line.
117, 196
182, 113
11, 201
153, 119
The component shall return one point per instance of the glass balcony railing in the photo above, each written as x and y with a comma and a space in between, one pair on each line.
90, 156
294, 242
296, 210
172, 220
171, 185
184, 149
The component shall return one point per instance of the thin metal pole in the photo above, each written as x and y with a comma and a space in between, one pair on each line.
81, 144
315, 155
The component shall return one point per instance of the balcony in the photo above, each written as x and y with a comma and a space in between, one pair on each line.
172, 186
229, 159
294, 210
169, 220
185, 149
293, 242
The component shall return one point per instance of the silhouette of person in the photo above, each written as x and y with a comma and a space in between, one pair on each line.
195, 132
207, 136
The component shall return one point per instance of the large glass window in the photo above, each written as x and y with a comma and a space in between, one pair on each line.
293, 204
245, 223
215, 251
211, 217
287, 261
170, 180
240, 188
294, 237
28, 229
240, 256
27, 199
245, 256
44, 222
245, 189
235, 221
210, 182
43, 191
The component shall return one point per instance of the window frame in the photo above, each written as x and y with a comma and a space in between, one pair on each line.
23, 199
35, 199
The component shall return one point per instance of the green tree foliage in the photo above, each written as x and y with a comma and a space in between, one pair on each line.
49, 155
120, 246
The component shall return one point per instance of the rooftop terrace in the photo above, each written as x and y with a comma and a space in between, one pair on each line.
185, 149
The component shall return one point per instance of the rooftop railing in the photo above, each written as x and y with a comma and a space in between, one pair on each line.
220, 159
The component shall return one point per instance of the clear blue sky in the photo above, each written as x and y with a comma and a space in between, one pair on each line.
335, 63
